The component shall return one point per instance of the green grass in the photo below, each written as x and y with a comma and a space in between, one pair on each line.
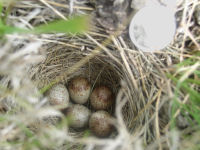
189, 86
79, 24
74, 25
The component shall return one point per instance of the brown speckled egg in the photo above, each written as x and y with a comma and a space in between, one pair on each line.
79, 90
58, 95
101, 98
100, 123
78, 115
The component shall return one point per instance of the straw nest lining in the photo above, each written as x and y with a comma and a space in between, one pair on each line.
99, 70
102, 69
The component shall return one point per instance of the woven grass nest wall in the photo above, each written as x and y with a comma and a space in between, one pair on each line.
100, 70
133, 92
144, 93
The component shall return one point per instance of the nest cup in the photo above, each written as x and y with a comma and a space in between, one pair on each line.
100, 70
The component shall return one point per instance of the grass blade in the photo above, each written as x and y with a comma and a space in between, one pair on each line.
77, 24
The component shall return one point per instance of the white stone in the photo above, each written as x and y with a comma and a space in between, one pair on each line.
152, 28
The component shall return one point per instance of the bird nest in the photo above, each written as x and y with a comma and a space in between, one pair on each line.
124, 71
138, 80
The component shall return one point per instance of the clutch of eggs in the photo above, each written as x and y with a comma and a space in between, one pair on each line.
80, 116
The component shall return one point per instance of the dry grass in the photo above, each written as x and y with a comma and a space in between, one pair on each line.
143, 92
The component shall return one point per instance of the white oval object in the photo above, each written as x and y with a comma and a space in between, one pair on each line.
58, 95
79, 116
101, 98
79, 90
100, 123
152, 28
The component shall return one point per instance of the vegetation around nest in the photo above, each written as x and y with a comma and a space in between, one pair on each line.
157, 94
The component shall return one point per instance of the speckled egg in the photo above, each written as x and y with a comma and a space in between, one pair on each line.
100, 123
79, 90
78, 116
101, 98
58, 95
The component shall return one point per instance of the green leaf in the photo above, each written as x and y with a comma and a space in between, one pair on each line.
10, 30
77, 24
194, 94
189, 61
193, 110
47, 87
1, 7
197, 72
197, 82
